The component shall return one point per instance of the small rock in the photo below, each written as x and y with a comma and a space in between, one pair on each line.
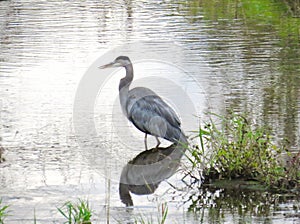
2, 159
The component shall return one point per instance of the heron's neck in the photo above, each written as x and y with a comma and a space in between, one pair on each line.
126, 81
124, 87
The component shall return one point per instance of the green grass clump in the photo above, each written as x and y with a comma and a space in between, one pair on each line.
160, 219
239, 149
3, 212
79, 213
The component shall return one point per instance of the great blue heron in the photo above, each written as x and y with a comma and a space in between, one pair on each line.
144, 108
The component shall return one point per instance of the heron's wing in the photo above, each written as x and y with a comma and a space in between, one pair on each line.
142, 108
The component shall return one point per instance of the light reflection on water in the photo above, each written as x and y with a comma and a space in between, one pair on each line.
46, 47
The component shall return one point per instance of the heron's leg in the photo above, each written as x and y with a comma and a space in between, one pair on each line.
158, 142
145, 141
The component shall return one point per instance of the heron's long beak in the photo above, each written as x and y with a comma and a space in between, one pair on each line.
109, 65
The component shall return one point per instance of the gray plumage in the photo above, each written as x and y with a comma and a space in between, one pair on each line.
144, 108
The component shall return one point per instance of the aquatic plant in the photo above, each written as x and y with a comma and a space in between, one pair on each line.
234, 148
3, 212
161, 219
78, 213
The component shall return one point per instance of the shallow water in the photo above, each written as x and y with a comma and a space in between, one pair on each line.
197, 56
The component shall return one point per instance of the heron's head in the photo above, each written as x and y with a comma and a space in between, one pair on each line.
121, 61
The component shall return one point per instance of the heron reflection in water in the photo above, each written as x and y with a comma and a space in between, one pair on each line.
145, 109
144, 173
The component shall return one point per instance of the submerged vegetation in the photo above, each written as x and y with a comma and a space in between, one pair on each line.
245, 205
234, 148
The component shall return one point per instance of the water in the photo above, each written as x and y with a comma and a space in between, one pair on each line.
225, 60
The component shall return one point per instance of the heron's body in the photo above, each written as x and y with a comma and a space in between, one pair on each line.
151, 115
144, 108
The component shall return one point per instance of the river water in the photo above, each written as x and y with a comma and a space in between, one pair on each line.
61, 124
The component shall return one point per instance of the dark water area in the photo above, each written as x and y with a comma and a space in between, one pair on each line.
200, 56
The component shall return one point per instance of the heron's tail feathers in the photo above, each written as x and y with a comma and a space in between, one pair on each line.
176, 135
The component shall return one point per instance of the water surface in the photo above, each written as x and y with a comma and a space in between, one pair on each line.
241, 56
